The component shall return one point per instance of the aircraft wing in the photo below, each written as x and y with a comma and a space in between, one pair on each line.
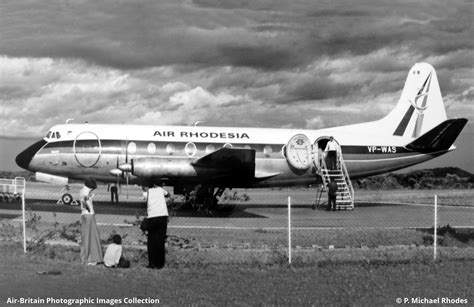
232, 161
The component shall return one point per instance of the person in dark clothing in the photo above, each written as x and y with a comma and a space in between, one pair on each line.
332, 189
114, 194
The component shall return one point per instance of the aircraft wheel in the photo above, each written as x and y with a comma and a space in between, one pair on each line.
210, 202
67, 199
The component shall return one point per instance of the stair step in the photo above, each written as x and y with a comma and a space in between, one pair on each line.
344, 195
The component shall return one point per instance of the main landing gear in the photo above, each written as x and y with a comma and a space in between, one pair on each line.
204, 196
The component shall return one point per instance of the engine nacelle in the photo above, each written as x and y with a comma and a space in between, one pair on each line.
43, 177
169, 168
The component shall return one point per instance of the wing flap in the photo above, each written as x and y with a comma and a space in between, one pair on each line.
265, 175
234, 161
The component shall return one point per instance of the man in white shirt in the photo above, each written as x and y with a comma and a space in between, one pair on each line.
157, 213
331, 153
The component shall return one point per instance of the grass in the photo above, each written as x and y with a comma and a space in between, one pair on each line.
445, 197
368, 267
246, 238
208, 283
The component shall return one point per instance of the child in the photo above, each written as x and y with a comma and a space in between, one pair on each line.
113, 255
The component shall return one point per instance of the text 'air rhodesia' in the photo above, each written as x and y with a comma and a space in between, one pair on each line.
204, 135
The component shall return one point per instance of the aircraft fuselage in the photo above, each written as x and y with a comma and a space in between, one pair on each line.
85, 150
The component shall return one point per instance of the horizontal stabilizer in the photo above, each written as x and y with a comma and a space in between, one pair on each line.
440, 137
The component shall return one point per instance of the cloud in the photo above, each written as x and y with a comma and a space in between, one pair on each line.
295, 64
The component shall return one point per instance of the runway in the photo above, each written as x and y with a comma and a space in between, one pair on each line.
258, 216
266, 209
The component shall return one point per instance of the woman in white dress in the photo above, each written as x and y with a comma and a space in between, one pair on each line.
91, 250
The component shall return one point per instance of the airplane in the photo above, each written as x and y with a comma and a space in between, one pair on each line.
215, 158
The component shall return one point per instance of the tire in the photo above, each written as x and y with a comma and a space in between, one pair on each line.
210, 202
67, 198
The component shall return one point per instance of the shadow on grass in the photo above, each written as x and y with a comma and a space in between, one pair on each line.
464, 235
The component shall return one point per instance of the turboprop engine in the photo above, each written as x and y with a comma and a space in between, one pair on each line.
155, 167
43, 177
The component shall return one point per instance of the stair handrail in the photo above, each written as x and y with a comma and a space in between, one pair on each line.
324, 172
346, 175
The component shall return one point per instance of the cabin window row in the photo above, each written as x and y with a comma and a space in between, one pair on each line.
190, 148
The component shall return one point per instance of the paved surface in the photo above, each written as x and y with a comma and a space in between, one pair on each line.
257, 216
267, 208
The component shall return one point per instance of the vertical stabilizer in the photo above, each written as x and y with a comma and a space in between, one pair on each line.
420, 107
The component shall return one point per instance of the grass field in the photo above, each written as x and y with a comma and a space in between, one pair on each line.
367, 267
205, 283
307, 196
445, 197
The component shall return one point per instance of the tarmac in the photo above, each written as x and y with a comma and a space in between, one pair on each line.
261, 212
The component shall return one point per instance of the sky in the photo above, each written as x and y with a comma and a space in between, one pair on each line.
260, 63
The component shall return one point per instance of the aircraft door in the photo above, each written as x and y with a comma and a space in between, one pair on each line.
87, 149
298, 152
320, 146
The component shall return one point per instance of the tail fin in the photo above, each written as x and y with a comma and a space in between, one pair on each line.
440, 137
420, 107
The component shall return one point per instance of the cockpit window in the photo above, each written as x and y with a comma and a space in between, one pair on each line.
53, 135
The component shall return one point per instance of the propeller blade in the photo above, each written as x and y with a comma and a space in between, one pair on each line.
126, 149
127, 176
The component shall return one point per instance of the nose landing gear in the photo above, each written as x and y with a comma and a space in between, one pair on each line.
66, 198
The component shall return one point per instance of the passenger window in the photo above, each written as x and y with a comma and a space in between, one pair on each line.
190, 149
58, 135
132, 147
151, 148
210, 148
267, 151
170, 149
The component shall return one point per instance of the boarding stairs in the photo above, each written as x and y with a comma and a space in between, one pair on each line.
345, 191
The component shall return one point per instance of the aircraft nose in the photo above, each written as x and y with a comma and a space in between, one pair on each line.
24, 158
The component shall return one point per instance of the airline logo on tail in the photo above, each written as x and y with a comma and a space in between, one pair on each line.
420, 105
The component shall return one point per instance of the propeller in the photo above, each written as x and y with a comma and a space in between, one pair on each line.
123, 169
117, 172
126, 167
